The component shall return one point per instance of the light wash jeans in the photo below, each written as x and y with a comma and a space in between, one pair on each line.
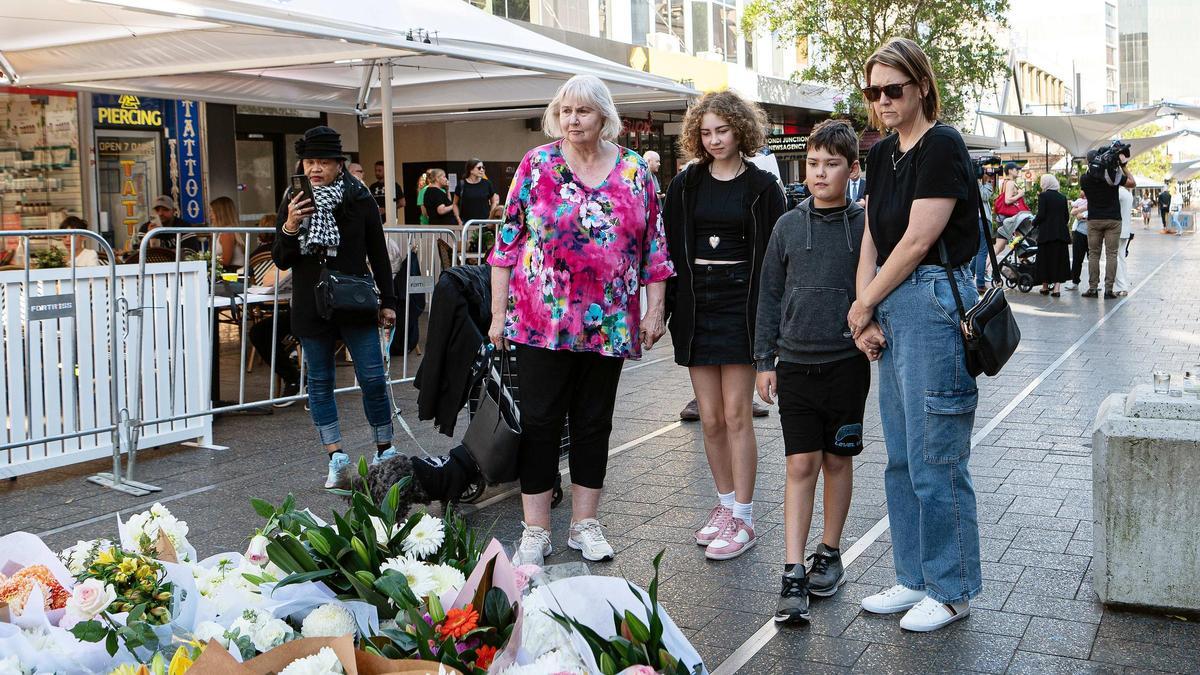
363, 343
981, 262
927, 401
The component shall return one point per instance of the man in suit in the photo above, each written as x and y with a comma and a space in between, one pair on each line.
856, 187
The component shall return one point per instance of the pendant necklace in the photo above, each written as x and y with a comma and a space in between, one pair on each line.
896, 162
714, 241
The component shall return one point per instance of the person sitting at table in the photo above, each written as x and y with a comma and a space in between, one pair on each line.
230, 247
284, 344
168, 216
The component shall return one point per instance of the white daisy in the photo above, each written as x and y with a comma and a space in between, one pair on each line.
425, 538
417, 573
446, 579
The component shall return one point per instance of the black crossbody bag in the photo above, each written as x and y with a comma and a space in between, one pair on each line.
345, 293
989, 329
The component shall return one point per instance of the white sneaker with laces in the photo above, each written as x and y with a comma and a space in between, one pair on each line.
588, 537
533, 547
895, 599
929, 614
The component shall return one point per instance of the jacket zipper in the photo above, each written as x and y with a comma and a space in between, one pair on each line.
691, 271
753, 257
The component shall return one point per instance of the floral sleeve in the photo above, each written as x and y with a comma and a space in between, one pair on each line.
512, 234
656, 262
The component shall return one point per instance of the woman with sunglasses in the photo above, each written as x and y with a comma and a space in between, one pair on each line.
475, 196
922, 209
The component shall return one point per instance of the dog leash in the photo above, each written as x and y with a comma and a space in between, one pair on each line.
387, 364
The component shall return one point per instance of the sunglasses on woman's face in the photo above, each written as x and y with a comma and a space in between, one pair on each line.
893, 91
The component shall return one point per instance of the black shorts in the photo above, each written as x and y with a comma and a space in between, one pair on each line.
821, 406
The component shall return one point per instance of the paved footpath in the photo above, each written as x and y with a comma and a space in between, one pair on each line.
1031, 464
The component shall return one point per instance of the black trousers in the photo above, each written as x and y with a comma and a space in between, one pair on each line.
260, 337
1162, 213
1079, 251
551, 385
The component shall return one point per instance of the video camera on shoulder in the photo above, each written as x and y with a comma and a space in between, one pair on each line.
1106, 161
983, 164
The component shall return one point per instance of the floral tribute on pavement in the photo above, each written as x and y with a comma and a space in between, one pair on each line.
374, 591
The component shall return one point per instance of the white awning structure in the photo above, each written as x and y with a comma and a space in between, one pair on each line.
1184, 171
1183, 109
1144, 183
1079, 133
1138, 146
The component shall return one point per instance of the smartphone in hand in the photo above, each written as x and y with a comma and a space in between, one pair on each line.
301, 184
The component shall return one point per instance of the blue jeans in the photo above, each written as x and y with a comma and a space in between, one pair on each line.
981, 261
363, 343
927, 402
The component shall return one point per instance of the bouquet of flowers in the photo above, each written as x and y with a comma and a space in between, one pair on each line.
119, 582
143, 532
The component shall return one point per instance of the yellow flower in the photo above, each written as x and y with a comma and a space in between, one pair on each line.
181, 661
105, 557
127, 567
146, 571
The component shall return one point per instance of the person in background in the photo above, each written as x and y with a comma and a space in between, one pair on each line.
981, 258
379, 191
1104, 220
856, 187
655, 163
1011, 206
580, 240
422, 184
229, 249
356, 170
264, 239
1054, 239
84, 256
284, 344
1079, 244
1164, 207
921, 211
718, 216
1122, 285
475, 196
165, 212
1147, 207
436, 202
341, 232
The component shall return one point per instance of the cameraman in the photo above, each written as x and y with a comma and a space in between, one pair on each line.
1105, 174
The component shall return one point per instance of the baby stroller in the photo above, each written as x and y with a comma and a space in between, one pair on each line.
1018, 262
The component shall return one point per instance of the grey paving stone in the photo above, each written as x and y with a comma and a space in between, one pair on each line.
1029, 663
995, 622
1054, 608
1044, 581
1144, 655
1036, 539
1061, 638
796, 647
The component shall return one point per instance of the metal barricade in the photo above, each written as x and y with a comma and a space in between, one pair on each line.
62, 386
471, 240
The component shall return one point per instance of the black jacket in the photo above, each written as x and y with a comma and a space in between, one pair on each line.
766, 205
361, 240
1052, 218
459, 316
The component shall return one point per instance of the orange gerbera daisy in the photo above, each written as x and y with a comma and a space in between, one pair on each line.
484, 656
459, 622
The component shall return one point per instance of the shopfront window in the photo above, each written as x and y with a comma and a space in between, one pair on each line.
699, 27
668, 25
724, 30
569, 15
39, 161
639, 21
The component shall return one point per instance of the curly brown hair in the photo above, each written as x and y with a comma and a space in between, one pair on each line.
748, 120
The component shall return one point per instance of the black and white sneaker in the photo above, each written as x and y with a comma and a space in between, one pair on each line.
826, 574
793, 598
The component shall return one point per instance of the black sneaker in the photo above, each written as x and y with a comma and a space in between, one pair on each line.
288, 390
825, 574
1090, 293
793, 598
1110, 295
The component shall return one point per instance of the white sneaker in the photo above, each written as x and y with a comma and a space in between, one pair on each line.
533, 547
1070, 286
929, 614
895, 599
588, 537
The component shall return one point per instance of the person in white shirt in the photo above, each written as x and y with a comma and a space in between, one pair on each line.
1122, 286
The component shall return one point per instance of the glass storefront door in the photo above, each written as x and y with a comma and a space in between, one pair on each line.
256, 177
129, 180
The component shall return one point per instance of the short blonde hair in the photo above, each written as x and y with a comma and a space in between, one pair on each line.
907, 57
588, 90
748, 120
1049, 182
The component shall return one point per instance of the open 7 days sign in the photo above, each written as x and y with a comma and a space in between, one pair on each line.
46, 307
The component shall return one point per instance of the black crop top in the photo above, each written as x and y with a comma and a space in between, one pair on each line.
720, 218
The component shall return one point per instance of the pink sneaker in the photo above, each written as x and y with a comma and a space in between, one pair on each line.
733, 540
717, 518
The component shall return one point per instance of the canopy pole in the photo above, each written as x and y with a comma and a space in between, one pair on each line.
389, 144
7, 69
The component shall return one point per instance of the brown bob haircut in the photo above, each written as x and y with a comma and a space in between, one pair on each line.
907, 57
836, 136
748, 120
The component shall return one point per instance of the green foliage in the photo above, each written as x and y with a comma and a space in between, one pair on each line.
1154, 163
49, 258
142, 592
959, 38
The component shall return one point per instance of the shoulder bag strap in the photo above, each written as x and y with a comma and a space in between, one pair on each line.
945, 260
984, 221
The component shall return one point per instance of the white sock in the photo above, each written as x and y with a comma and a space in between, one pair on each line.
726, 499
745, 512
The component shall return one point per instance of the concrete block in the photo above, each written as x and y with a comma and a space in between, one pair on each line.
1145, 468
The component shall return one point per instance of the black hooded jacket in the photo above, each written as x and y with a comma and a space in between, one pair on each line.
766, 204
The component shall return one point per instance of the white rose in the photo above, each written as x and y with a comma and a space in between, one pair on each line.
271, 634
256, 553
211, 630
328, 621
90, 597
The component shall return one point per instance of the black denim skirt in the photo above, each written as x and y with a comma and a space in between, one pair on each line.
722, 333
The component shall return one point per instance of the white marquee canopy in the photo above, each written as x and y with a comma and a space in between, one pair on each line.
1079, 133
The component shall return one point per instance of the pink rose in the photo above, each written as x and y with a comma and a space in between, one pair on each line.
639, 670
523, 573
88, 599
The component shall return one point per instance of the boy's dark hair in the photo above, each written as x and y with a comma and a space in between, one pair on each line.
836, 136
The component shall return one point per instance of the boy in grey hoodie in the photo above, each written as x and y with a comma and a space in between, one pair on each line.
821, 377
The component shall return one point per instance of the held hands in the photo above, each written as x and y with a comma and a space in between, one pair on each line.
653, 328
860, 316
387, 318
871, 341
496, 333
299, 208
766, 384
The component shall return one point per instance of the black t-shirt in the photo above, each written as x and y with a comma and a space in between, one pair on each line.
435, 197
379, 193
937, 166
474, 200
1164, 200
828, 210
720, 217
1104, 202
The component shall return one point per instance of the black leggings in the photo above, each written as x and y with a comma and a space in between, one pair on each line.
551, 385
1079, 251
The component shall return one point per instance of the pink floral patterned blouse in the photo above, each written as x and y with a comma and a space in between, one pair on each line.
581, 255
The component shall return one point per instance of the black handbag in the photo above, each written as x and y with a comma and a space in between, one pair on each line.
493, 437
989, 330
345, 293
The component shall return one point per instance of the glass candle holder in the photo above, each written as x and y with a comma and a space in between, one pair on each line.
1162, 382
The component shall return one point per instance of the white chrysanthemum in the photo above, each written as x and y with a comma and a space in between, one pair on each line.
270, 634
557, 661
328, 621
425, 538
11, 665
324, 662
210, 630
539, 632
148, 524
446, 579
417, 573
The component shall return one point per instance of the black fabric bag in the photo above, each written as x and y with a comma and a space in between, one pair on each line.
493, 437
346, 293
989, 329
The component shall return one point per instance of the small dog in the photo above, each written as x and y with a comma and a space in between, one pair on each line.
433, 479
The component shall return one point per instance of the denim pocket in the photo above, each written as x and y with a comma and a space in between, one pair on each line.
949, 416
943, 300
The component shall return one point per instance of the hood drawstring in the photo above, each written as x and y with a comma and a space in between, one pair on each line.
808, 216
849, 238
808, 223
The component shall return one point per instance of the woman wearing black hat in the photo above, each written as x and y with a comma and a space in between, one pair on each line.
341, 232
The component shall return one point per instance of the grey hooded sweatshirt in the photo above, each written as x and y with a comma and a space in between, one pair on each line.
807, 287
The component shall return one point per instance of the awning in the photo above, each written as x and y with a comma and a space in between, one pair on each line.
1183, 171
1144, 183
1183, 109
1079, 133
1139, 145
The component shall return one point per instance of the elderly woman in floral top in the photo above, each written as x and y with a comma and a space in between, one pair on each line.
581, 237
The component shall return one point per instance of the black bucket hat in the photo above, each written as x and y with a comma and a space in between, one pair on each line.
320, 143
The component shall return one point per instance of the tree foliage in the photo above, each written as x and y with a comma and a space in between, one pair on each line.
1154, 163
958, 36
